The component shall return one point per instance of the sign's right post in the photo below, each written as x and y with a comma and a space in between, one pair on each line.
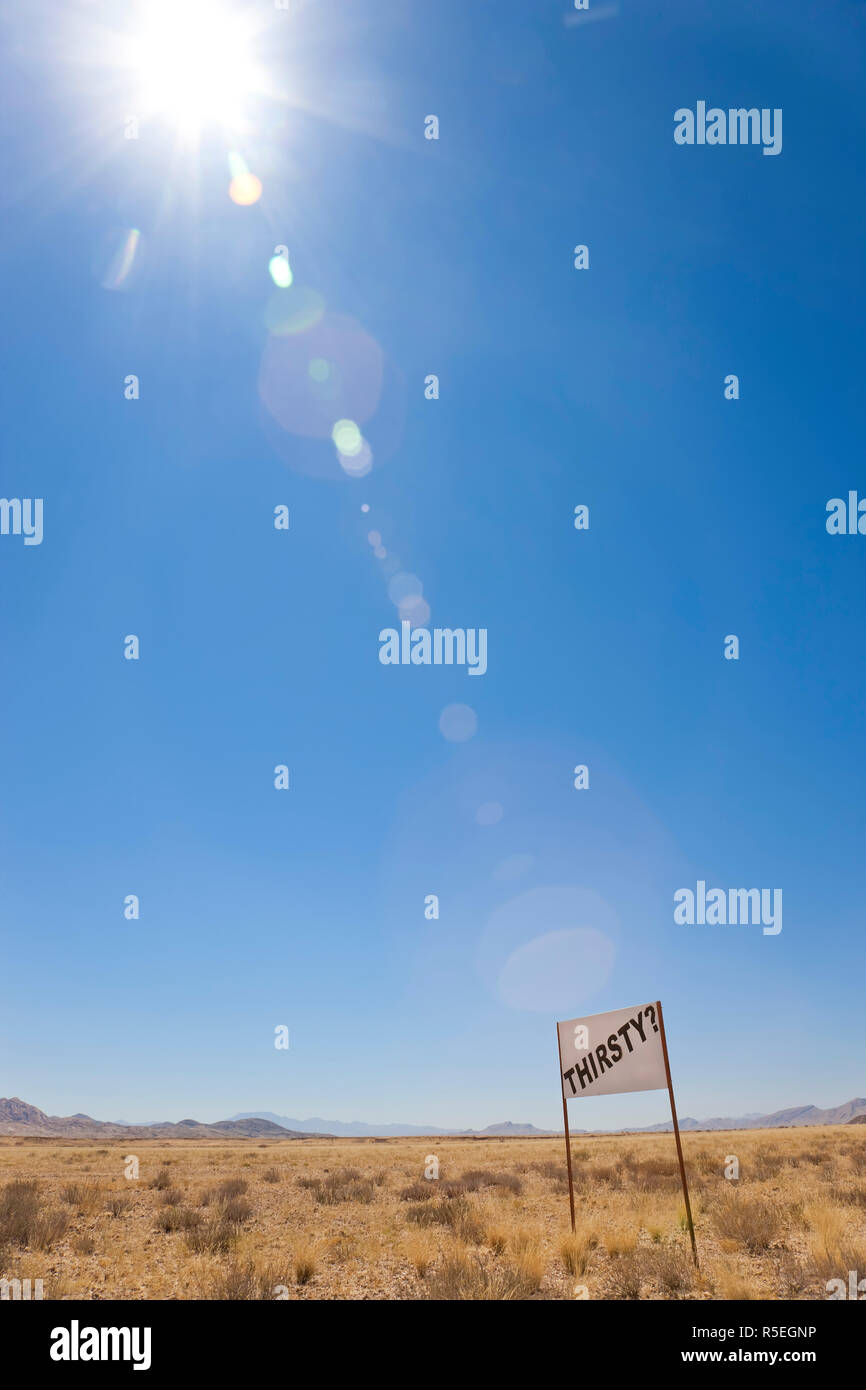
677, 1132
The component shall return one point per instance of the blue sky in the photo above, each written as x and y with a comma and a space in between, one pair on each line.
605, 647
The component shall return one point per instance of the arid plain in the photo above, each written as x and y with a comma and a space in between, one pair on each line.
359, 1219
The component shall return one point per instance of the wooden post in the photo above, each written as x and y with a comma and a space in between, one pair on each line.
676, 1131
567, 1136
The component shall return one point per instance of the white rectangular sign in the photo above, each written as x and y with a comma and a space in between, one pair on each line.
607, 1053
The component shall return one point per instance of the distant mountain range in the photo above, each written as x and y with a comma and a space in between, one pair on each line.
19, 1118
358, 1129
852, 1112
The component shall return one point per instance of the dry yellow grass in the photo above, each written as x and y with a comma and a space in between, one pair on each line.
357, 1219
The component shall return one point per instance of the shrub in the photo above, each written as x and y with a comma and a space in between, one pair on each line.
626, 1274
669, 1268
576, 1251
177, 1219
418, 1192
750, 1222
19, 1212
51, 1226
244, 1282
345, 1185
304, 1265
232, 1187
82, 1195
455, 1214
460, 1277
236, 1211
488, 1177
211, 1237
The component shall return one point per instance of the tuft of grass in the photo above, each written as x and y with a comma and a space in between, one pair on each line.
232, 1187
461, 1277
345, 1185
23, 1223
19, 1211
50, 1227
173, 1218
605, 1175
670, 1269
244, 1281
456, 1214
420, 1252
850, 1196
576, 1251
342, 1247
626, 1275
477, 1178
419, 1191
496, 1240
750, 1222
236, 1211
530, 1265
84, 1196
304, 1264
620, 1239
734, 1286
213, 1237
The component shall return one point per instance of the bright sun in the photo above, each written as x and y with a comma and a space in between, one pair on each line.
192, 61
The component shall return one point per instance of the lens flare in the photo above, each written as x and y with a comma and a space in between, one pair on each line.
280, 271
457, 723
357, 465
293, 312
414, 610
245, 189
404, 586
322, 377
348, 438
117, 275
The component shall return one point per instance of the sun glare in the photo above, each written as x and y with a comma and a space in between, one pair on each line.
192, 61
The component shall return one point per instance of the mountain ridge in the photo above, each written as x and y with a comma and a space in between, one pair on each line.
792, 1117
18, 1117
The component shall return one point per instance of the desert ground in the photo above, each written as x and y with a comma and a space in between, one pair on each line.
363, 1219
